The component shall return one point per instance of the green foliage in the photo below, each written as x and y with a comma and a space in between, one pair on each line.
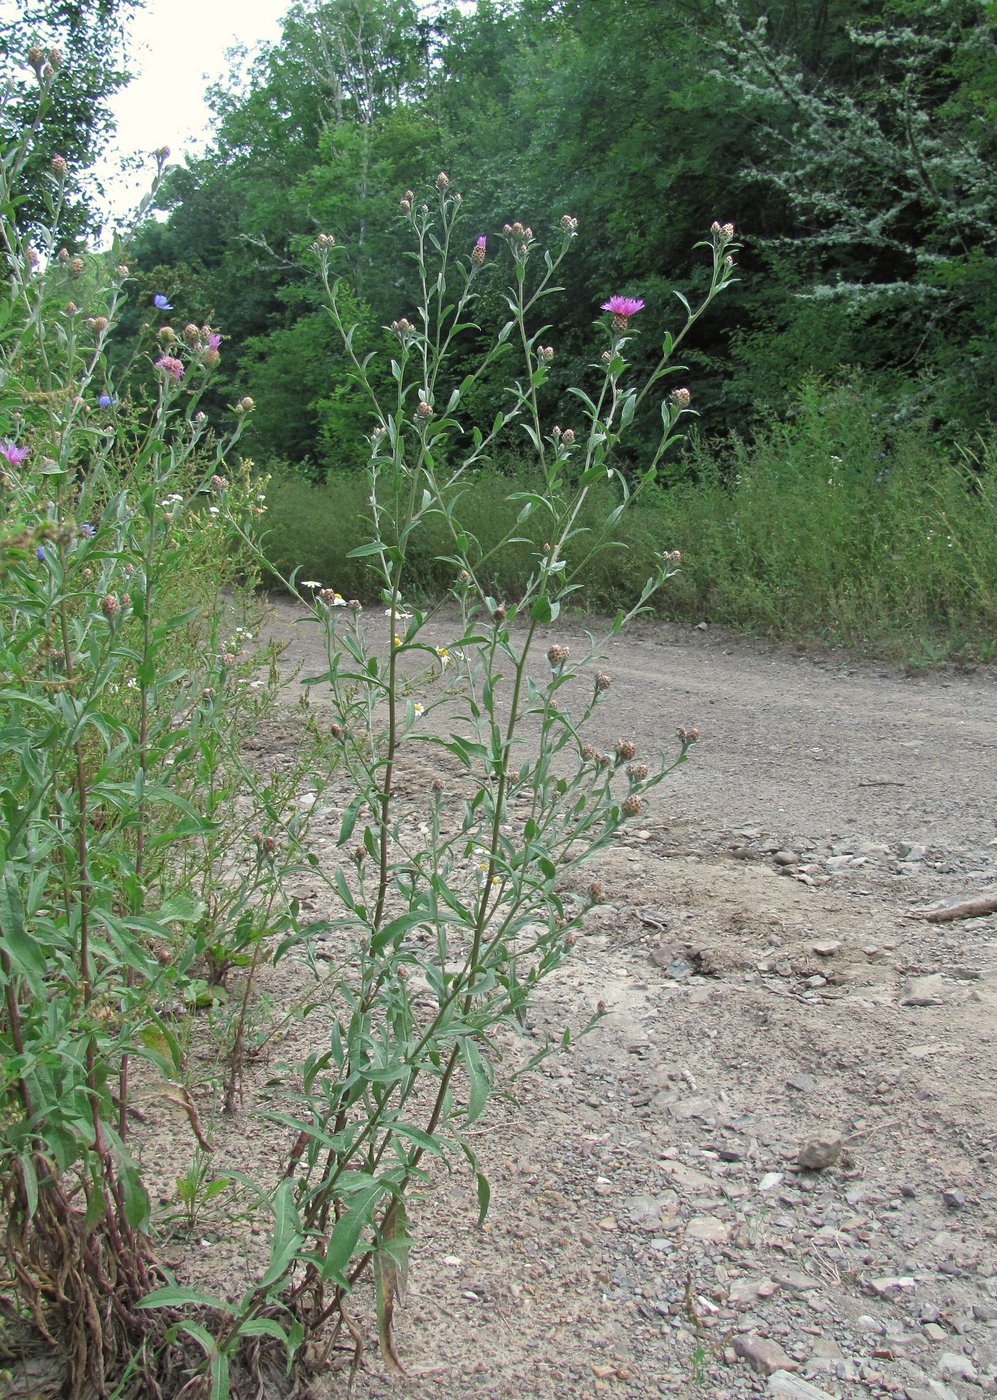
73, 119
841, 527
146, 868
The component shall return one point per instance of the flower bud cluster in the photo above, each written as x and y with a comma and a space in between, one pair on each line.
557, 655
569, 223
545, 353
402, 328
245, 405
424, 411
171, 367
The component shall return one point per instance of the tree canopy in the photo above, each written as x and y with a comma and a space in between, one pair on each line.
853, 144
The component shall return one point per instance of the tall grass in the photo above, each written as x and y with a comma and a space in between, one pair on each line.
832, 528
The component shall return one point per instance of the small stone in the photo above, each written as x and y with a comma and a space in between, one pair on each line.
934, 1333
770, 1181
803, 1083
891, 1286
819, 1152
786, 857
708, 1229
826, 948
791, 1387
924, 991
953, 1367
954, 1197
762, 1354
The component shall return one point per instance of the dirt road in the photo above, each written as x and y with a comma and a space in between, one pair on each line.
769, 983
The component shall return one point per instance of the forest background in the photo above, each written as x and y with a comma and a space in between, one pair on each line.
840, 484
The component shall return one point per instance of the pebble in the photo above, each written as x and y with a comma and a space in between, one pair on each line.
819, 1152
762, 1354
952, 1366
954, 1197
791, 1387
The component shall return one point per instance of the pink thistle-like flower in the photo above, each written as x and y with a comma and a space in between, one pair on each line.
14, 455
478, 251
171, 367
622, 309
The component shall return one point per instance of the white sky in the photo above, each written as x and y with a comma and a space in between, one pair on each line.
176, 49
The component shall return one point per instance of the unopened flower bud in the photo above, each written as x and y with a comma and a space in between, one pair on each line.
545, 354
568, 437
602, 681
442, 180
167, 335
688, 736
681, 398
219, 482
109, 606
637, 772
499, 614
424, 410
162, 154
122, 269
59, 167
71, 308
191, 334
36, 56
631, 805
557, 655
437, 785
478, 251
75, 267
31, 257
569, 223
245, 405
359, 854
588, 752
55, 58
596, 892
625, 750
97, 324
325, 240
673, 557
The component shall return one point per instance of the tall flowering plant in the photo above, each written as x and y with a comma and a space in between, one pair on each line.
450, 906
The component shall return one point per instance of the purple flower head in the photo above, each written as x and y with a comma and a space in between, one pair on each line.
478, 251
14, 455
214, 340
623, 306
171, 367
40, 553
162, 302
87, 531
105, 401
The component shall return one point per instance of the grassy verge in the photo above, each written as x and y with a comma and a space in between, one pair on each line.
833, 529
